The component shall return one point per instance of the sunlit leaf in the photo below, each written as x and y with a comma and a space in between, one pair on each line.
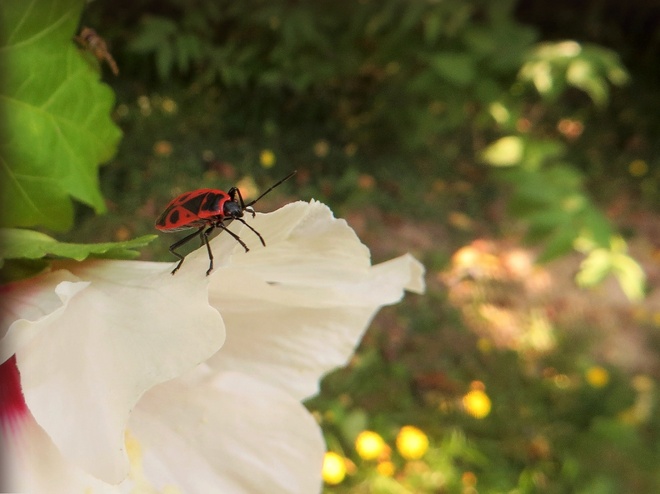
581, 74
630, 275
57, 125
507, 151
17, 243
615, 260
594, 268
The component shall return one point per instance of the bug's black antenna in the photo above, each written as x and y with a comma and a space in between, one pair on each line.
271, 188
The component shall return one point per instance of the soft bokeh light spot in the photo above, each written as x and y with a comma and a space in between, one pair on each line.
248, 187
169, 105
321, 148
412, 443
334, 468
469, 479
477, 403
369, 445
597, 376
144, 104
366, 181
562, 381
571, 129
386, 468
163, 148
267, 158
638, 168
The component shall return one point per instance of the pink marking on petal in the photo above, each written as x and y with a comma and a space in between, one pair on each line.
12, 402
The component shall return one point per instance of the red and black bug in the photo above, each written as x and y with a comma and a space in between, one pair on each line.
206, 210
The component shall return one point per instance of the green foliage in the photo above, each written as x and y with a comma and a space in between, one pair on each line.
424, 83
56, 116
368, 69
552, 428
614, 259
552, 67
27, 244
547, 192
56, 130
384, 108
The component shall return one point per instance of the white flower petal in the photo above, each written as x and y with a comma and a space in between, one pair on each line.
232, 435
30, 460
33, 464
297, 308
25, 302
133, 327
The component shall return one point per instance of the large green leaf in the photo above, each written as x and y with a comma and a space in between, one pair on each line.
56, 116
16, 243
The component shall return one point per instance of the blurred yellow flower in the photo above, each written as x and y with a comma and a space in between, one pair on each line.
321, 148
638, 168
369, 445
334, 468
597, 376
477, 403
267, 158
385, 468
412, 443
169, 105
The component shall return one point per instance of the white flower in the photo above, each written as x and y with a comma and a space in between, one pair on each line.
298, 308
91, 339
127, 384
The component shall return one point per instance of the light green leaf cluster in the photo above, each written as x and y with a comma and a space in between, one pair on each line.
546, 191
56, 131
551, 67
613, 259
57, 126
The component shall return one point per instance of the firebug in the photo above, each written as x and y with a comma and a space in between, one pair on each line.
206, 210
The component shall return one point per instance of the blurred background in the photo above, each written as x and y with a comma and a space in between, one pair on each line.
512, 146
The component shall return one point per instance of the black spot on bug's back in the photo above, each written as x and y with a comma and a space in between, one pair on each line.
174, 217
212, 202
194, 203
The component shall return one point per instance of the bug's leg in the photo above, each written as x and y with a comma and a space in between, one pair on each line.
205, 240
219, 224
263, 242
181, 242
233, 192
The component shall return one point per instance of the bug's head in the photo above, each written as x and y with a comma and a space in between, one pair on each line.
232, 209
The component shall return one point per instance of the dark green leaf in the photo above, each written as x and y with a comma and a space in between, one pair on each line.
458, 68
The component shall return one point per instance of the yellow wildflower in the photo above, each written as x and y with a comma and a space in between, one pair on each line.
411, 442
369, 445
334, 468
